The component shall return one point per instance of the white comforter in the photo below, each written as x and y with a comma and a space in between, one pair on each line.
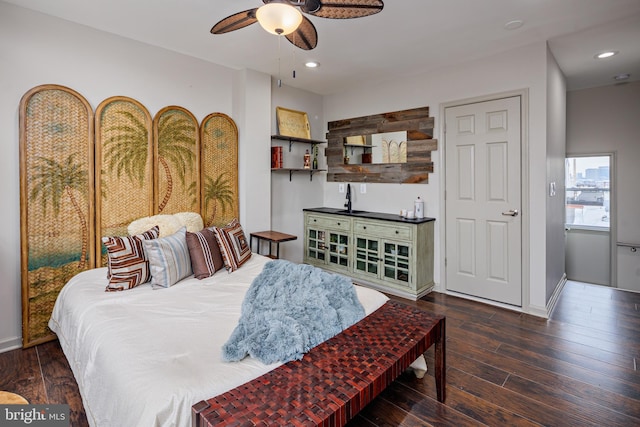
143, 357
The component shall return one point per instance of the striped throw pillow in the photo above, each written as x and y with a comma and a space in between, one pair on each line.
234, 246
205, 254
128, 265
168, 259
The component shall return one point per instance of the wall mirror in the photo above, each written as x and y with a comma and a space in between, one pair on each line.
390, 147
378, 148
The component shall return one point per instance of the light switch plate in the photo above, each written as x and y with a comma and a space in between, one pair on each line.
552, 189
363, 188
341, 187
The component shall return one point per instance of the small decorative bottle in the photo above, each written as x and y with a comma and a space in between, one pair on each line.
418, 206
314, 164
307, 160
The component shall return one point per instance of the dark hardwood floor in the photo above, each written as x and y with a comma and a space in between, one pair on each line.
578, 368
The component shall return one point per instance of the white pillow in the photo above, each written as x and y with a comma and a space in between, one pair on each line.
169, 259
191, 220
168, 225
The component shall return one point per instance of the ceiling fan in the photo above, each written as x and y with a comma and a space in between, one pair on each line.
282, 18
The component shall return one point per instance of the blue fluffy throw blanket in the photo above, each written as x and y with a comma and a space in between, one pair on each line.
289, 309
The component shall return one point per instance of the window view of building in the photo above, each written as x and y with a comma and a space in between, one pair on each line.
587, 187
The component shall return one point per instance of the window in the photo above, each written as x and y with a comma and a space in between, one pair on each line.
587, 189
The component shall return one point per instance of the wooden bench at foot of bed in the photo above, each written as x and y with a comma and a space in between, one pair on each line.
336, 379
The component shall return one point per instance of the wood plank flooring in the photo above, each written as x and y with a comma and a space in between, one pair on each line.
578, 368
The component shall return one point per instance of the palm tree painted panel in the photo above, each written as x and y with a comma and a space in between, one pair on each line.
219, 195
177, 165
124, 156
56, 200
77, 185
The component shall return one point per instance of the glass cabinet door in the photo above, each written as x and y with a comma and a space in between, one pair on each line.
338, 249
316, 248
396, 261
366, 256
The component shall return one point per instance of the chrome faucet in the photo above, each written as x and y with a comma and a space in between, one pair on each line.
347, 203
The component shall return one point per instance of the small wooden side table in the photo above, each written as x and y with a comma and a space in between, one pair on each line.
271, 237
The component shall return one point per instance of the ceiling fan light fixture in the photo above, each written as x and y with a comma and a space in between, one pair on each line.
279, 18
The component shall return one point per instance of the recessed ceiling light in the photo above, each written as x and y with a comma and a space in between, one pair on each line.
311, 64
607, 54
621, 77
513, 25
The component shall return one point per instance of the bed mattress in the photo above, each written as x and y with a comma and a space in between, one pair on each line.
143, 357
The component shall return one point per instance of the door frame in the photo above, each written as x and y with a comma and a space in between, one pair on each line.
524, 191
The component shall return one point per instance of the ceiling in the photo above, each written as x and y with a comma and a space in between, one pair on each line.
406, 38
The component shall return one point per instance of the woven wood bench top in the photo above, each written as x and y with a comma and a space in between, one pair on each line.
337, 378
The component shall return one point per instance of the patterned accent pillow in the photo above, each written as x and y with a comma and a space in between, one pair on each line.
168, 259
127, 261
205, 254
234, 246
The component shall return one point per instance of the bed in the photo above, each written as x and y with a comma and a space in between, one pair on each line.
143, 357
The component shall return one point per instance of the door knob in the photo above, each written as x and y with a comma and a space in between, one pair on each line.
512, 212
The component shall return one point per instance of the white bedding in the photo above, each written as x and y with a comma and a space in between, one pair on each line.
143, 357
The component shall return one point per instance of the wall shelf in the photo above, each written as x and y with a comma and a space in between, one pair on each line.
292, 170
292, 139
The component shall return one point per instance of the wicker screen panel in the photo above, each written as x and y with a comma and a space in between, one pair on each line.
219, 139
56, 200
124, 165
177, 161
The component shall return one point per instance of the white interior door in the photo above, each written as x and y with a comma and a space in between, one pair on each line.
482, 200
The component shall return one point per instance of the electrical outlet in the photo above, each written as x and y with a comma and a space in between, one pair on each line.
363, 188
341, 187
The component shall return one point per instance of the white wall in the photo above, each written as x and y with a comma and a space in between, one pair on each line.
556, 142
37, 49
252, 92
288, 198
585, 256
606, 120
522, 68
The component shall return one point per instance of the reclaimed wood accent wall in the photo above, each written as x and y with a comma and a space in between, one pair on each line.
420, 144
86, 175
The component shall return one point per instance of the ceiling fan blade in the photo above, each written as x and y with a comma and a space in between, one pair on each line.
305, 37
235, 21
342, 9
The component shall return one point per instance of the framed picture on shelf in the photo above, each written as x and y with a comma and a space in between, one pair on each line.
293, 123
355, 140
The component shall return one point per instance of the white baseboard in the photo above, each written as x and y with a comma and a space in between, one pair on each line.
10, 344
556, 294
546, 311
538, 311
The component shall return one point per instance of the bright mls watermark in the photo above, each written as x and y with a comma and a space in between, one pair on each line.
34, 415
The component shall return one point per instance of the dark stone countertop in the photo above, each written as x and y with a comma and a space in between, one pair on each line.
369, 215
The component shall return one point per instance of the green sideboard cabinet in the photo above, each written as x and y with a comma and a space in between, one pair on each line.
382, 251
